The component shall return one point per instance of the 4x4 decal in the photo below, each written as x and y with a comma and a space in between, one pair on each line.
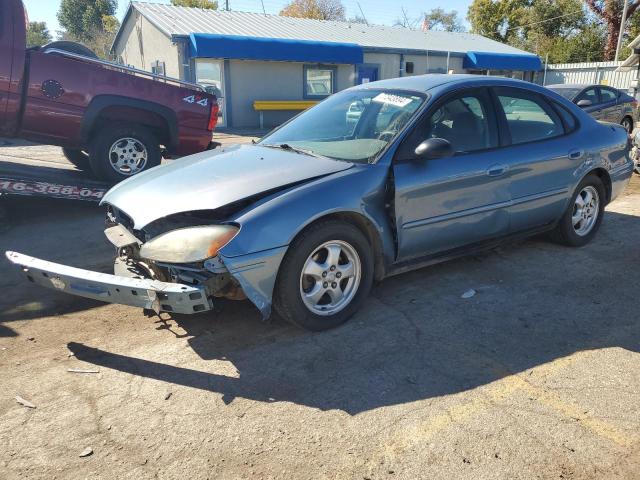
204, 101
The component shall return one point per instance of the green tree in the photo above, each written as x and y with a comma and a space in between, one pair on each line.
496, 19
438, 19
82, 19
207, 4
91, 22
561, 29
37, 34
316, 9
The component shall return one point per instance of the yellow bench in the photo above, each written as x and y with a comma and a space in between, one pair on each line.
262, 106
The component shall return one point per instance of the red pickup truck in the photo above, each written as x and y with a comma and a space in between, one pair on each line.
111, 119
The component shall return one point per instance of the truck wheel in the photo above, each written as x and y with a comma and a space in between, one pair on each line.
119, 152
79, 158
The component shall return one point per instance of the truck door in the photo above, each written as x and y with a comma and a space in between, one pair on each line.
12, 46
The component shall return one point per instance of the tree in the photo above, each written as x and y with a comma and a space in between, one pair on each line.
610, 12
83, 18
438, 19
206, 4
37, 34
91, 22
561, 29
316, 9
496, 19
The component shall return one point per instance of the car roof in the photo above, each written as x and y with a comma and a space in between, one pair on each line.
424, 83
558, 86
571, 85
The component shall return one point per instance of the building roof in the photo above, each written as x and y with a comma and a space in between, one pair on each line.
182, 21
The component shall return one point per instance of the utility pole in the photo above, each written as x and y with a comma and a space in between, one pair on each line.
226, 5
622, 25
362, 13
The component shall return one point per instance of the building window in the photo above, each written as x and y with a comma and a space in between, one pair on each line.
409, 67
157, 68
319, 81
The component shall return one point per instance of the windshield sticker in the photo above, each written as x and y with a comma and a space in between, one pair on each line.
395, 100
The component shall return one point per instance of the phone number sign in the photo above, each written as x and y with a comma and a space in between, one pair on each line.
70, 192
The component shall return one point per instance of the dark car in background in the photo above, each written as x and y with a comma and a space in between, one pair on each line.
602, 103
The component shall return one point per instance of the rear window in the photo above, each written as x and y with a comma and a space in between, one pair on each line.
529, 120
569, 120
608, 95
568, 93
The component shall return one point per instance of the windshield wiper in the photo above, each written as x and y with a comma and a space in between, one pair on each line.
286, 146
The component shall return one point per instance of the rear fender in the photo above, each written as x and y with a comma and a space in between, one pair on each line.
101, 102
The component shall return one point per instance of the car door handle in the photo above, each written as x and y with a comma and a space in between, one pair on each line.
496, 170
576, 154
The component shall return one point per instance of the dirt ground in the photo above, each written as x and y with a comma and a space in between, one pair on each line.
535, 377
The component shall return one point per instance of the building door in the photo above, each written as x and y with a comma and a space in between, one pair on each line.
210, 75
367, 73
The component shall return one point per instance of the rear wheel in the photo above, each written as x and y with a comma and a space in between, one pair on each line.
120, 152
583, 217
325, 277
79, 158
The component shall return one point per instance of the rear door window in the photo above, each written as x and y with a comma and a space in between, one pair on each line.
608, 96
529, 118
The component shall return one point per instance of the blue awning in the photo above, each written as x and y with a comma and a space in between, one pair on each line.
501, 61
207, 45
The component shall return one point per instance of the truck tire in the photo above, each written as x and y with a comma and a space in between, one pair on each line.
119, 152
79, 158
72, 47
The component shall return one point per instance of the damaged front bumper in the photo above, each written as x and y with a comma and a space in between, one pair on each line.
144, 293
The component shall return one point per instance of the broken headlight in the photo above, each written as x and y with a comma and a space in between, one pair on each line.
188, 245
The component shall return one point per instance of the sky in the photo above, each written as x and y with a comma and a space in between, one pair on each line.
375, 11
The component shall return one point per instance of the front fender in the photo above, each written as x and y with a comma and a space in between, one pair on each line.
267, 228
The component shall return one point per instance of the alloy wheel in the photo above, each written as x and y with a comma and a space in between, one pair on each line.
128, 156
330, 278
586, 209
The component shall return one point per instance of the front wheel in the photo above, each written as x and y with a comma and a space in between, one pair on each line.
120, 152
583, 217
325, 277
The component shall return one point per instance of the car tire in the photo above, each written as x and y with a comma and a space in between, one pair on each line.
310, 252
579, 224
79, 158
119, 152
627, 123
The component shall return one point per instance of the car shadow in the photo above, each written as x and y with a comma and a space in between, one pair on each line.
416, 337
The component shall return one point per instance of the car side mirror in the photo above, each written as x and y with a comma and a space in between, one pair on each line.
584, 103
434, 148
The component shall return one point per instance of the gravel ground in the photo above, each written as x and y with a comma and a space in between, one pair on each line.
536, 376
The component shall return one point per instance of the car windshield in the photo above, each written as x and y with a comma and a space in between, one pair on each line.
568, 93
353, 125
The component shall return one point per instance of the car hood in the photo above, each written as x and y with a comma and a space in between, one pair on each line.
213, 179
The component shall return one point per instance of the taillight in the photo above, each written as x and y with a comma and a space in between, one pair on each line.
213, 116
